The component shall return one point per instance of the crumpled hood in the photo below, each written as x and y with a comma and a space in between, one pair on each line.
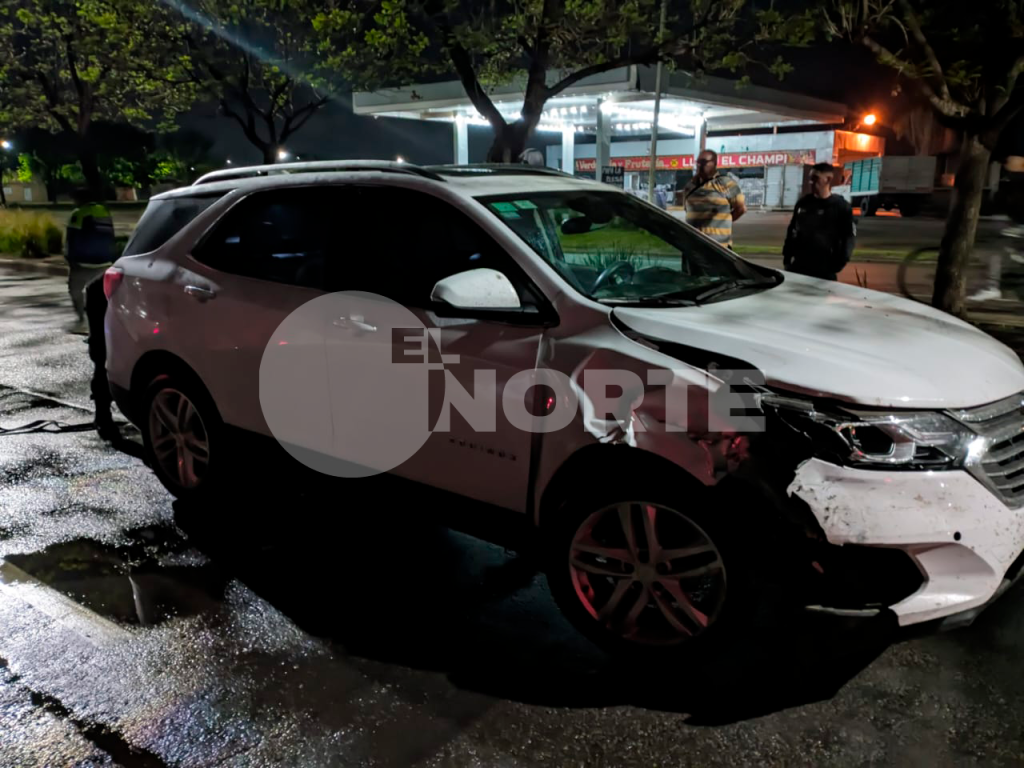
835, 340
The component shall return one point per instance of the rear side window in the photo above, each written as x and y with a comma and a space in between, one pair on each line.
284, 236
163, 219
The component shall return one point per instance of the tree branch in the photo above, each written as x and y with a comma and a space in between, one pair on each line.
673, 46
948, 107
933, 61
463, 64
305, 112
248, 125
1008, 95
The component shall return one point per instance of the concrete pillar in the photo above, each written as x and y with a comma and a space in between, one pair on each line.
461, 135
569, 149
703, 135
604, 140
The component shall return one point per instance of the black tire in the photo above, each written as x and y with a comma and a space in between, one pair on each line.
731, 623
868, 206
213, 477
901, 273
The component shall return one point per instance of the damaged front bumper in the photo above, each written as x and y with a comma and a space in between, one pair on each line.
966, 543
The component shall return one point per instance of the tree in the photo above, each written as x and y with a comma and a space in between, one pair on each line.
67, 64
966, 66
180, 157
253, 57
376, 43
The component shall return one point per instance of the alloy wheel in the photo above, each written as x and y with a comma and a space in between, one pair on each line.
647, 573
178, 437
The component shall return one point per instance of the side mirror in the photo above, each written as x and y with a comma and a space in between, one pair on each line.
477, 289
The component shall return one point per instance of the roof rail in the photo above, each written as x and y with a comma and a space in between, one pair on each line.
495, 168
251, 171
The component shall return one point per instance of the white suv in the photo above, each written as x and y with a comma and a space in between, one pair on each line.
888, 477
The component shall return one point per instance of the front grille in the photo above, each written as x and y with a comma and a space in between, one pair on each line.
1001, 464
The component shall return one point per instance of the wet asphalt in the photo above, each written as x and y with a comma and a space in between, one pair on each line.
342, 625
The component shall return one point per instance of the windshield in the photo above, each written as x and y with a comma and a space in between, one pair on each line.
616, 249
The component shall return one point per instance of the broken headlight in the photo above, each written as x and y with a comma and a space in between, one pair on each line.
906, 440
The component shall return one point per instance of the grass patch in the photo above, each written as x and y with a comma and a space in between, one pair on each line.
617, 240
632, 244
31, 234
876, 254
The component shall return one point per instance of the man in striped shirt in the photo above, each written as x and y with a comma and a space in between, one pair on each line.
713, 201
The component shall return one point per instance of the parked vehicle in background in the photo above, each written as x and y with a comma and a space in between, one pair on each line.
887, 480
888, 183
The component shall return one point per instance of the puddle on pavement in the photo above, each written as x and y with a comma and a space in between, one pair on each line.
153, 577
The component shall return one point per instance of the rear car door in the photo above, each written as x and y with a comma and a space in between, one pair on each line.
411, 241
265, 259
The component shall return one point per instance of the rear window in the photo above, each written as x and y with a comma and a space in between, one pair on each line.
163, 219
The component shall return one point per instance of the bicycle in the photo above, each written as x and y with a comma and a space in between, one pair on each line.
915, 276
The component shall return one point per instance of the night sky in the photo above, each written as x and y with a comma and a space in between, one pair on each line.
336, 133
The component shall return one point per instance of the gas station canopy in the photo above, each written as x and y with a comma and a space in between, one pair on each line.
625, 97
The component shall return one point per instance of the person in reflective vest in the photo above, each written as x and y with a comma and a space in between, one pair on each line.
89, 249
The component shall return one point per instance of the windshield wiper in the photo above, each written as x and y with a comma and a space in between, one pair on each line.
664, 300
731, 285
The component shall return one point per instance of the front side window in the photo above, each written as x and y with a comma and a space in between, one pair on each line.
411, 240
615, 249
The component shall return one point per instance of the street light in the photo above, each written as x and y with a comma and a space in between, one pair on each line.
6, 144
399, 159
282, 154
870, 119
229, 161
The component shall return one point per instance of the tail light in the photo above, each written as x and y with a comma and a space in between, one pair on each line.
111, 279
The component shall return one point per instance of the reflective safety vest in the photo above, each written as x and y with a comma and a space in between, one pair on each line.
91, 236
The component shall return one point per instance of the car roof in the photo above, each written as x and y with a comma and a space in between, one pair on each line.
469, 180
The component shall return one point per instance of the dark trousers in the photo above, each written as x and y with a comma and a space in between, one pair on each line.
95, 311
79, 276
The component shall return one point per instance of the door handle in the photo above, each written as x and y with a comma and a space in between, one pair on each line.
355, 323
197, 292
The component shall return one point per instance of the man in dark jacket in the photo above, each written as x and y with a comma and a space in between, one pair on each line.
95, 311
822, 233
89, 248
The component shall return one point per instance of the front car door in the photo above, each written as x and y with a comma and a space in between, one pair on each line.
415, 239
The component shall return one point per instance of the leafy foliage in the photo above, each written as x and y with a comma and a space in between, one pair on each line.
65, 64
376, 43
24, 171
70, 62
254, 58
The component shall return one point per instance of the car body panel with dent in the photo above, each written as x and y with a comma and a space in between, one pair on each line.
831, 359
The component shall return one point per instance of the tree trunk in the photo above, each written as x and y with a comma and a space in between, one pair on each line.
269, 155
961, 226
90, 166
509, 142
